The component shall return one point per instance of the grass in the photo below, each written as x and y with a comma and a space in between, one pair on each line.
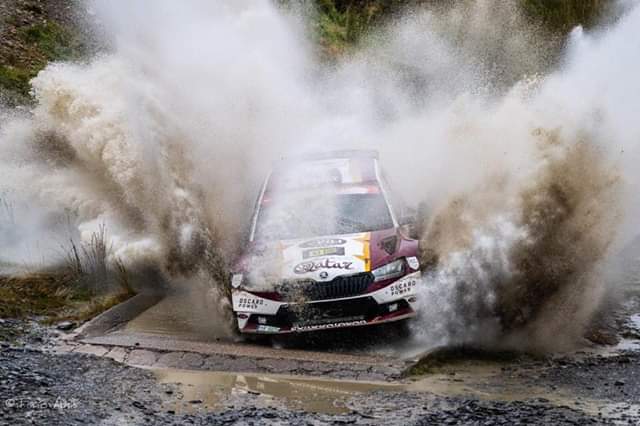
35, 294
89, 262
55, 297
340, 25
563, 15
52, 40
93, 307
14, 83
86, 286
43, 42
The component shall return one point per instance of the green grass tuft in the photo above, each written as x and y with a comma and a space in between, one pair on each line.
52, 40
340, 28
15, 79
563, 15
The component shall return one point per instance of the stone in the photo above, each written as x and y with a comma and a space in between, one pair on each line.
192, 360
170, 360
141, 357
117, 354
91, 350
66, 325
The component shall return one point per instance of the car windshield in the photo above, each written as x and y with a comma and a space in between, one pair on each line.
302, 216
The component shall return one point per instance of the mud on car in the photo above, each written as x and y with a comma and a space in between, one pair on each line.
329, 248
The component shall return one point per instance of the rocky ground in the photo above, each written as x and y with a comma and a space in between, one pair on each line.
39, 386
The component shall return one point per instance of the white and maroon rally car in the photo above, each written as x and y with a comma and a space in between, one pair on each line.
328, 249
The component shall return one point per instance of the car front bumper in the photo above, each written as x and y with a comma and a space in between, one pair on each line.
258, 315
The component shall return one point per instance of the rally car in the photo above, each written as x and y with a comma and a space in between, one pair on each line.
329, 248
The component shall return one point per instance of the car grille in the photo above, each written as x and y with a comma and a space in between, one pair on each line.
339, 287
316, 313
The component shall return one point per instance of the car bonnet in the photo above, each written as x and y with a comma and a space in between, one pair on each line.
324, 258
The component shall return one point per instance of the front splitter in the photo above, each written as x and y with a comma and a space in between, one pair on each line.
268, 329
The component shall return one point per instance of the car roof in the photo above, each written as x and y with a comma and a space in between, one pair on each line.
336, 168
325, 155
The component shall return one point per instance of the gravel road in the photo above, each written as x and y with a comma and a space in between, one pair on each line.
42, 387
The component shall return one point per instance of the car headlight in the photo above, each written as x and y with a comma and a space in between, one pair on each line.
390, 270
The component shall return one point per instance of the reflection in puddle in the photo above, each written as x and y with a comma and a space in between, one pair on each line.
214, 390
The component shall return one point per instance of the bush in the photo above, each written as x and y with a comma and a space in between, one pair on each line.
52, 40
563, 15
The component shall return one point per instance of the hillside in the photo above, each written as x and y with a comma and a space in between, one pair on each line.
34, 32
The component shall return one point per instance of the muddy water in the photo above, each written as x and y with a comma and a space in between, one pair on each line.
217, 389
181, 315
184, 315
212, 391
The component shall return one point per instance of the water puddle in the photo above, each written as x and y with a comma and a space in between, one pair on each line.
180, 315
629, 341
634, 322
215, 390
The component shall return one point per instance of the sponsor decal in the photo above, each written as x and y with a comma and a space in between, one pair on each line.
312, 266
323, 242
366, 251
248, 303
402, 287
236, 280
321, 252
268, 329
326, 326
413, 262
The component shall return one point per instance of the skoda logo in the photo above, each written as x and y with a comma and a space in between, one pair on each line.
324, 275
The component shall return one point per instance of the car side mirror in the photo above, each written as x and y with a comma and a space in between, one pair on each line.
407, 216
408, 223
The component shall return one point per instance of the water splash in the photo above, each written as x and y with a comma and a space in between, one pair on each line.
165, 136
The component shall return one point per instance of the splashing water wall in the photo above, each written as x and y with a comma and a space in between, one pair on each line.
527, 174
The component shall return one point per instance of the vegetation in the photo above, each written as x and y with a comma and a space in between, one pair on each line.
53, 41
563, 15
82, 289
55, 297
32, 46
16, 81
341, 24
338, 24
